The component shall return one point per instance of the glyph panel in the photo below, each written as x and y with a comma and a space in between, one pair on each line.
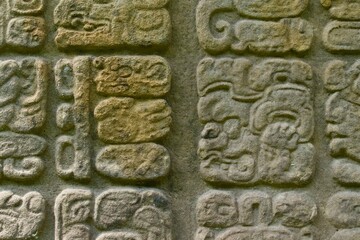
123, 213
98, 24
258, 121
130, 116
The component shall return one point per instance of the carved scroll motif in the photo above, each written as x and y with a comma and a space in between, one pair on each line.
218, 32
113, 23
130, 116
117, 214
21, 25
259, 121
255, 215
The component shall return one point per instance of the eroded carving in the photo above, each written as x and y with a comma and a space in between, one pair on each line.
255, 215
23, 87
27, 7
270, 9
132, 76
349, 234
217, 34
343, 9
127, 120
73, 81
121, 213
20, 26
133, 161
99, 24
342, 210
129, 113
342, 116
342, 36
21, 217
259, 121
72, 213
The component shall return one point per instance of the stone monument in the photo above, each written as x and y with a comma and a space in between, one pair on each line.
180, 120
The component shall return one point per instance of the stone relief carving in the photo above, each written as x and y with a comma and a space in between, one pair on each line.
123, 213
130, 116
112, 23
342, 9
21, 217
259, 121
23, 86
255, 215
342, 34
217, 32
342, 212
21, 25
342, 116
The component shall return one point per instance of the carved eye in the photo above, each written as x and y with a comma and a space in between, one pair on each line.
98, 62
281, 77
211, 130
125, 71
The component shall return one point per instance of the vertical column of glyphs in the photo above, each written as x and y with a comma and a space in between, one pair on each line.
121, 100
258, 118
23, 88
341, 80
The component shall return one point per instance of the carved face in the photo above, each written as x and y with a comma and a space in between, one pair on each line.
343, 126
226, 140
226, 121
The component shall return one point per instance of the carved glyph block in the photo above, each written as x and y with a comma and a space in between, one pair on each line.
217, 33
129, 114
21, 217
342, 36
259, 120
342, 212
343, 9
255, 215
117, 214
342, 116
23, 88
131, 161
98, 24
21, 27
270, 9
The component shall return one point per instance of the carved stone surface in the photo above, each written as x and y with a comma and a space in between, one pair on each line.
117, 213
23, 88
218, 34
342, 35
111, 23
21, 25
21, 217
342, 116
179, 119
255, 215
131, 114
258, 125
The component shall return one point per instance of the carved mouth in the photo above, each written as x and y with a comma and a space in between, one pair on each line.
333, 132
336, 135
211, 156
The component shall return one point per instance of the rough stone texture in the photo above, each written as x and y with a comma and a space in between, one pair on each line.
179, 120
